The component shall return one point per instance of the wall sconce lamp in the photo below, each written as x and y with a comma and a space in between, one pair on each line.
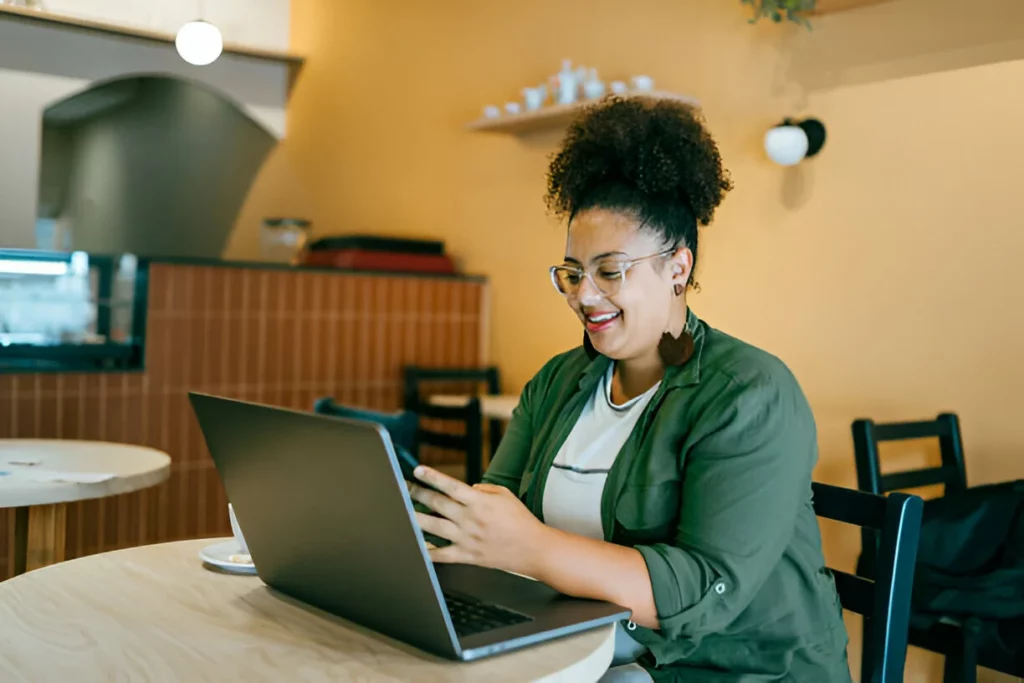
199, 42
790, 142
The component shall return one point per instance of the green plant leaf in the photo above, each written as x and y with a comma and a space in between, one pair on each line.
777, 10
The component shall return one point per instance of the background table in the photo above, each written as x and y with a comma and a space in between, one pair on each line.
491, 407
40, 516
155, 614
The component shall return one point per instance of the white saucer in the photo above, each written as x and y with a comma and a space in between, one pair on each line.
227, 555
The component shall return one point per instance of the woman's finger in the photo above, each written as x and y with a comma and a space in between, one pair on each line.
439, 526
452, 554
451, 487
438, 502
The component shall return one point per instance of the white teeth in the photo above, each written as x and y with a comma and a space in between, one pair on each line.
601, 318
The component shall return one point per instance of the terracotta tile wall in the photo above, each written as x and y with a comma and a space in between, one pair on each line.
274, 336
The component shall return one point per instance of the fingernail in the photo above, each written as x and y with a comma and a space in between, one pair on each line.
419, 471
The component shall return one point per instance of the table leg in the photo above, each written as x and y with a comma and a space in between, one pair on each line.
46, 529
20, 541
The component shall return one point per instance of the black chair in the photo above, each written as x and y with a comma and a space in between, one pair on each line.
409, 435
414, 379
885, 599
957, 641
470, 441
951, 474
867, 434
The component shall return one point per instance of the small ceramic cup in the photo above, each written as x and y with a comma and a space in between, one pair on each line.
237, 530
534, 98
643, 83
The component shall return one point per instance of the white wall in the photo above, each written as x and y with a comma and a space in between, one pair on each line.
258, 23
41, 64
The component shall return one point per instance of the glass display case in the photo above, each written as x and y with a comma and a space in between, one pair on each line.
71, 311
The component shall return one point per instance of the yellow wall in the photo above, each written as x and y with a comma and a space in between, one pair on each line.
885, 272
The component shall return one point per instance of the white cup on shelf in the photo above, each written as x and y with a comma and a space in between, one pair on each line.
643, 83
534, 98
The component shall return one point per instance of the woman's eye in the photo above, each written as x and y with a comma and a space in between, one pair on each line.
606, 274
573, 277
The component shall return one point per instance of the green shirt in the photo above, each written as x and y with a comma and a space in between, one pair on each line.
713, 487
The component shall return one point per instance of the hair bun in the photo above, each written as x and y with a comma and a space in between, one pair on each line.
657, 148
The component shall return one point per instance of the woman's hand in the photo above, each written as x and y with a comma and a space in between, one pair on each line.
487, 525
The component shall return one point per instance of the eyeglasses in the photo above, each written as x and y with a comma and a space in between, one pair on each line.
607, 276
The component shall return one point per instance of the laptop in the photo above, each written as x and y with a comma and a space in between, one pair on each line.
329, 521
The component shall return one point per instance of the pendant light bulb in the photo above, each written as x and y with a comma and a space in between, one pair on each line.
786, 145
199, 42
790, 142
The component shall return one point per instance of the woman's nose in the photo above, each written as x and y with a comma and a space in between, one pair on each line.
589, 292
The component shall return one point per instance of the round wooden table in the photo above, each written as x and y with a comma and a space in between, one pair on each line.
154, 613
38, 476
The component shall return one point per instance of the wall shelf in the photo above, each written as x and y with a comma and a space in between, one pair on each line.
551, 117
96, 26
831, 6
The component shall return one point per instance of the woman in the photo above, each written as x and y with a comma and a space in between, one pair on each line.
664, 465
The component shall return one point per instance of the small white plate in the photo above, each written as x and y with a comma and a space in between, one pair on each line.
227, 555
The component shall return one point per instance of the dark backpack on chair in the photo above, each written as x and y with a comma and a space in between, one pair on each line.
970, 564
968, 596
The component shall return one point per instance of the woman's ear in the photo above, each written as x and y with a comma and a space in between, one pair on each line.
681, 265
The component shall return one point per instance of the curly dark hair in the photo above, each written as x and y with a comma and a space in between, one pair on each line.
650, 157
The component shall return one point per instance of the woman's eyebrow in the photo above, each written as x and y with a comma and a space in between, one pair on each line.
607, 254
570, 259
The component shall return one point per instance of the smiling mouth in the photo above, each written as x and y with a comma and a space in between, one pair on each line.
598, 322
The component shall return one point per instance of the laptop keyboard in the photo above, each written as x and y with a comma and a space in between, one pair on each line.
471, 616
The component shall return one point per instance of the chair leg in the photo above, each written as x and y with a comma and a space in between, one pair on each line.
960, 668
866, 658
961, 665
474, 467
494, 436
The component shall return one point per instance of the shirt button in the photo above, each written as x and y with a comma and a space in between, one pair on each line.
630, 626
720, 587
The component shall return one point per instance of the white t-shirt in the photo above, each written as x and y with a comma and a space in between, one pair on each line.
572, 494
575, 484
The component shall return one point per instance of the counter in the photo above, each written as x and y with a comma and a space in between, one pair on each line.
266, 333
78, 312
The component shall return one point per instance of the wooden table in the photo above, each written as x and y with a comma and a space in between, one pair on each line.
40, 512
491, 407
155, 614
